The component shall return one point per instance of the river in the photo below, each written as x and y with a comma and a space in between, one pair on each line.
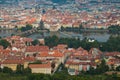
97, 36
5, 33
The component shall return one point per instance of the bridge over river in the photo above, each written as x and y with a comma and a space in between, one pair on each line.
30, 32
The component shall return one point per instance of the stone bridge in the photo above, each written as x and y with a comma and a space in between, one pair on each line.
29, 32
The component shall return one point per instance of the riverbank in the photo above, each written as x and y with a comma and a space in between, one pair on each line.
100, 37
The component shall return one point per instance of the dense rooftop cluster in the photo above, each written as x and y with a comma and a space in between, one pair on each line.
23, 52
70, 14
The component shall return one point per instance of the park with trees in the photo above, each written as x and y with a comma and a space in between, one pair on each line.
111, 45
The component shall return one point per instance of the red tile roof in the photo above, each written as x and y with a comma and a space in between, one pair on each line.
15, 37
77, 63
61, 46
5, 51
27, 39
95, 51
13, 62
31, 59
51, 54
48, 65
112, 53
1, 47
37, 48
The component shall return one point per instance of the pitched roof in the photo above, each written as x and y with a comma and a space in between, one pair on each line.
27, 39
1, 47
50, 54
77, 63
48, 65
95, 51
61, 46
29, 58
13, 62
112, 53
37, 48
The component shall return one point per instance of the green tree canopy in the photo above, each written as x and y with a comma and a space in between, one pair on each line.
7, 70
27, 27
4, 43
27, 70
35, 42
114, 29
118, 68
20, 69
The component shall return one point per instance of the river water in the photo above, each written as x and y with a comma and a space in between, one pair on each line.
5, 33
97, 36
